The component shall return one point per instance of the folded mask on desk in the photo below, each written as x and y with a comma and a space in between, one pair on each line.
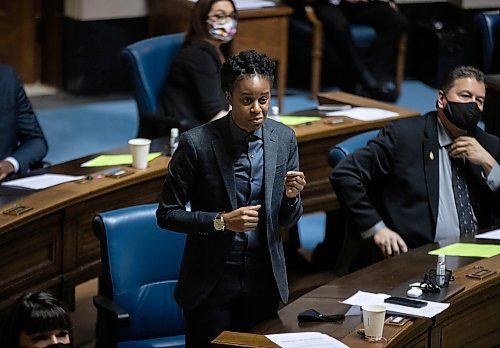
312, 315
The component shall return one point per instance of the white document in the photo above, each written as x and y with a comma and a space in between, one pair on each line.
362, 298
495, 234
39, 182
305, 340
364, 114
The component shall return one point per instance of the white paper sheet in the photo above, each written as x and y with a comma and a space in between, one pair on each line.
364, 114
362, 298
305, 340
39, 182
495, 234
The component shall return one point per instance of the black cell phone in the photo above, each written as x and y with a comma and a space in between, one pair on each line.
403, 301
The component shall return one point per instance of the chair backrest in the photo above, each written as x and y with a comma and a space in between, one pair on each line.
140, 268
340, 151
150, 62
487, 25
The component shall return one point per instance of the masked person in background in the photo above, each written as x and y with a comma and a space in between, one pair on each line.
192, 94
37, 320
424, 179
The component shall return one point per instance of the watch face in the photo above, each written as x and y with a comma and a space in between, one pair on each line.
219, 224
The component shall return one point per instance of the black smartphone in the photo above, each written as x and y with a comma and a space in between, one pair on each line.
403, 301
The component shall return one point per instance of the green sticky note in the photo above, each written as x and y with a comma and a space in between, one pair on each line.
468, 250
295, 120
114, 160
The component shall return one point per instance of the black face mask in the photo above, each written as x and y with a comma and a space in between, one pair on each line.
59, 345
463, 115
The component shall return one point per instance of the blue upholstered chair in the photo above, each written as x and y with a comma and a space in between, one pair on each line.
487, 24
337, 237
150, 61
140, 268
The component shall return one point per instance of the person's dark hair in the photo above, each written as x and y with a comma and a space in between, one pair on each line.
198, 26
33, 313
244, 64
460, 73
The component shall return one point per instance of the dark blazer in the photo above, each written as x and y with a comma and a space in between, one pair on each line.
193, 94
201, 172
395, 179
20, 134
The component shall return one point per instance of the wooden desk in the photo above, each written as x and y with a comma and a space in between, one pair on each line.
470, 321
264, 30
316, 139
52, 247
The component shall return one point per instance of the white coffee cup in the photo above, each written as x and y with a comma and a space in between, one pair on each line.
139, 148
373, 321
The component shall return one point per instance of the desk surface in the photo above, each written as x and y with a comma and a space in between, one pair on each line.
473, 308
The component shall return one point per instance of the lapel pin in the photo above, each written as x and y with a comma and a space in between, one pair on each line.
431, 156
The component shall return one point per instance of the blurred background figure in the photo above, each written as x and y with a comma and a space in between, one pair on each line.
370, 72
22, 143
193, 95
37, 320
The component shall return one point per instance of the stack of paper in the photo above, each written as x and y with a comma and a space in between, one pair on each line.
362, 298
38, 182
306, 340
364, 114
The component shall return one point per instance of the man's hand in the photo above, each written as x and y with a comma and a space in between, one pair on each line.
6, 168
294, 183
470, 149
242, 219
389, 242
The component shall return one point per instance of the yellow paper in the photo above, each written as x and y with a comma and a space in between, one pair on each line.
295, 120
114, 160
468, 249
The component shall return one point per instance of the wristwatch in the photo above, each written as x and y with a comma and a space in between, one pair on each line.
219, 223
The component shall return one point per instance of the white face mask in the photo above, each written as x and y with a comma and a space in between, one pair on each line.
223, 30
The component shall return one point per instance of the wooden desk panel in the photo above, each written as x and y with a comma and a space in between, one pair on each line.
264, 30
470, 321
52, 246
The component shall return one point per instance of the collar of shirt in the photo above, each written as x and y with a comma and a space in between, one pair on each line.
238, 134
443, 138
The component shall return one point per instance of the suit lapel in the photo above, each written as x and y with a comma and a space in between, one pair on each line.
221, 145
430, 148
270, 157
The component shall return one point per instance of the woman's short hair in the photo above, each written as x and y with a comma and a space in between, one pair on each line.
244, 64
461, 72
33, 313
198, 26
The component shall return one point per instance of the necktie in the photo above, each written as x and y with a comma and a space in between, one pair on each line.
462, 200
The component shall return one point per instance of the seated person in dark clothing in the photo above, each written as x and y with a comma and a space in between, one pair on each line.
22, 143
193, 95
37, 320
425, 179
374, 70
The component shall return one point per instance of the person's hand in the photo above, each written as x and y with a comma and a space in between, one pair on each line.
6, 168
468, 148
294, 183
242, 219
389, 242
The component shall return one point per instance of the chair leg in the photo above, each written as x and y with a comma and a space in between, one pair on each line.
317, 51
400, 62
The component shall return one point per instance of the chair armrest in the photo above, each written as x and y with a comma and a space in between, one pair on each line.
112, 309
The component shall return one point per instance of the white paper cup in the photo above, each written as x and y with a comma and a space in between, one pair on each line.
373, 321
139, 148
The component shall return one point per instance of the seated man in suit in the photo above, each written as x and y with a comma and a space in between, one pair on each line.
424, 179
22, 143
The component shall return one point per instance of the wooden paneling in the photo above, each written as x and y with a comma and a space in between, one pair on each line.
18, 45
